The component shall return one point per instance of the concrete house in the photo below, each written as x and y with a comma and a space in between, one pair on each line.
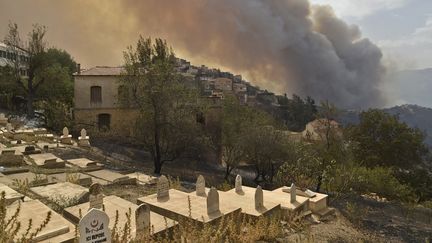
96, 92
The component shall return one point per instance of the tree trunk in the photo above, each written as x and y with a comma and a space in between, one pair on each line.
318, 188
227, 172
157, 167
30, 108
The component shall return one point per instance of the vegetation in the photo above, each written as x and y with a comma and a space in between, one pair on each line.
166, 126
296, 112
48, 84
10, 226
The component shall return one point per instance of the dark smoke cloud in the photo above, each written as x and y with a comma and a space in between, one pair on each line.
283, 45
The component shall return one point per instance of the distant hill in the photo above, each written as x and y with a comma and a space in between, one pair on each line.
410, 87
413, 115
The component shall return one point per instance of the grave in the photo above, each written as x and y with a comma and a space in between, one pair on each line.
82, 162
143, 178
10, 194
111, 177
254, 202
178, 205
3, 119
24, 134
287, 202
200, 188
42, 145
77, 178
30, 177
96, 196
66, 138
83, 140
113, 203
9, 132
94, 227
317, 202
58, 228
47, 161
11, 157
63, 191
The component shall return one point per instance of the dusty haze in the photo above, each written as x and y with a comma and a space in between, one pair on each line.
285, 46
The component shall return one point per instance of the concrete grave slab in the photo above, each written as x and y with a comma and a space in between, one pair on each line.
47, 160
82, 162
79, 178
11, 157
111, 177
5, 180
284, 198
62, 191
58, 228
143, 178
113, 203
10, 194
246, 198
176, 206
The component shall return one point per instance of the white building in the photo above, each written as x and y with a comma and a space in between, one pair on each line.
8, 56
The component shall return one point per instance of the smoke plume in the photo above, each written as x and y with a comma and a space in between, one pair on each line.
287, 46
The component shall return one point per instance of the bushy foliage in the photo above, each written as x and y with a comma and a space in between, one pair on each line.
382, 140
360, 179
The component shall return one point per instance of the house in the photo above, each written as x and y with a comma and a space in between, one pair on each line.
316, 130
97, 107
219, 84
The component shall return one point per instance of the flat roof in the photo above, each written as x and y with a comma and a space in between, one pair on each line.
101, 71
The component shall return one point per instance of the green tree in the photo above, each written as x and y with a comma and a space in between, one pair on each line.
167, 125
381, 139
35, 63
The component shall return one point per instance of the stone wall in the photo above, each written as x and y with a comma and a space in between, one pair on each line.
122, 120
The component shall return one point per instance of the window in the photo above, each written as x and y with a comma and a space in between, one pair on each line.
96, 94
123, 95
104, 122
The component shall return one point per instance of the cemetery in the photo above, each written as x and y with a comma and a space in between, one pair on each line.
34, 164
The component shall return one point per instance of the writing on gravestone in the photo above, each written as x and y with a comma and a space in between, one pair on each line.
94, 227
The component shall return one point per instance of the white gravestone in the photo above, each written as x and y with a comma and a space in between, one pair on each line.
66, 138
83, 140
238, 184
259, 198
95, 197
213, 201
162, 188
293, 193
142, 217
94, 227
200, 186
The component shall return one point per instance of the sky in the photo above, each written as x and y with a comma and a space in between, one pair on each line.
402, 28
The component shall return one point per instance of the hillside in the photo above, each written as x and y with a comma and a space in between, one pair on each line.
413, 115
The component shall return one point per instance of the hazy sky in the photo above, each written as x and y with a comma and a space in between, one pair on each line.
402, 28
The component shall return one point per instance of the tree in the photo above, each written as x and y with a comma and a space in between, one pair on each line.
35, 63
297, 112
167, 125
381, 139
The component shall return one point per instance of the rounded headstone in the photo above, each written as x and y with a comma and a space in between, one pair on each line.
65, 131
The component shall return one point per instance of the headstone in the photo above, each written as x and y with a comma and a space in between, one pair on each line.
259, 198
238, 184
66, 138
212, 201
9, 127
83, 140
162, 187
65, 132
94, 227
310, 193
200, 186
142, 217
96, 197
83, 133
293, 193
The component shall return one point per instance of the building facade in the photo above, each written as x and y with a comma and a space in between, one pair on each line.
12, 56
97, 107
